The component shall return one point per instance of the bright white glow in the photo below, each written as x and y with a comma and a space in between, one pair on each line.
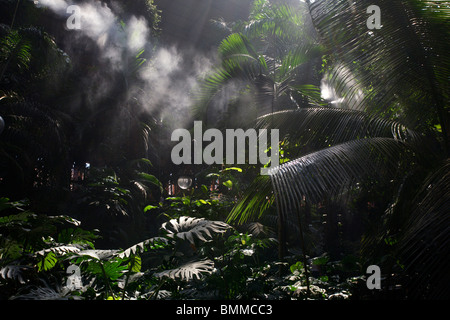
55, 5
184, 182
328, 93
325, 91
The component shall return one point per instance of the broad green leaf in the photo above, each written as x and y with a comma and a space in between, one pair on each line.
48, 262
151, 179
135, 264
150, 207
228, 184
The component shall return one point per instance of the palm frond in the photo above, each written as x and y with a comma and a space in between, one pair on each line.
317, 128
236, 45
264, 59
267, 19
404, 64
257, 199
331, 172
15, 52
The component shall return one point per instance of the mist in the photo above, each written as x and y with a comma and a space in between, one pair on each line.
166, 80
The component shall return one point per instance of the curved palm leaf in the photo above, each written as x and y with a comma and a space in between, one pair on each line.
313, 129
330, 172
257, 199
317, 128
404, 64
322, 174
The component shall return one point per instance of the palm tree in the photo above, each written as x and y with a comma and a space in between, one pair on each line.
387, 80
405, 66
265, 66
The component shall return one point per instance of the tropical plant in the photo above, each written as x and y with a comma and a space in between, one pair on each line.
335, 152
34, 143
114, 200
266, 64
408, 82
108, 274
35, 245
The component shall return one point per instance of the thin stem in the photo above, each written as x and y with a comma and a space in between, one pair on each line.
305, 259
15, 13
107, 281
126, 281
157, 289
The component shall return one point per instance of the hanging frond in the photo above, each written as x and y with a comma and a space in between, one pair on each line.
257, 199
257, 229
404, 66
332, 171
15, 52
318, 128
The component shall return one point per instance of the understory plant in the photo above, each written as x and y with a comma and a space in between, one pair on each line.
53, 258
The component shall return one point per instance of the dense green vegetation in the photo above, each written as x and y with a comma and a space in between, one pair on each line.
88, 188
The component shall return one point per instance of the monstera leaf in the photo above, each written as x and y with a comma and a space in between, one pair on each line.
188, 228
189, 271
152, 244
102, 255
60, 250
14, 272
